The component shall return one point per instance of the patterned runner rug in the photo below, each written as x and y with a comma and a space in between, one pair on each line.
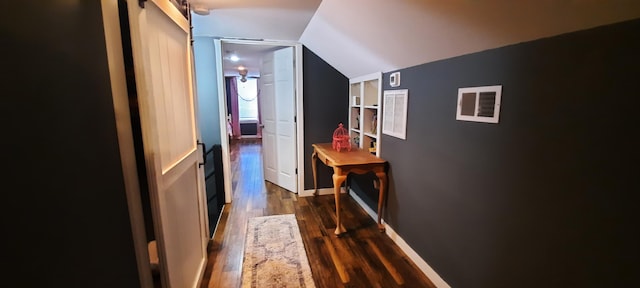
274, 254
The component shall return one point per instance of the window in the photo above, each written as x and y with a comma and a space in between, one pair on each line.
479, 104
248, 100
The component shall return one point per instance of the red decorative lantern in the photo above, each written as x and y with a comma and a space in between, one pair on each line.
341, 139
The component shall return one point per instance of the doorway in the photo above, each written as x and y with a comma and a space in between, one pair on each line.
243, 105
228, 49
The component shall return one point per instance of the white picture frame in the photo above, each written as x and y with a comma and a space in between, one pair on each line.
394, 113
471, 106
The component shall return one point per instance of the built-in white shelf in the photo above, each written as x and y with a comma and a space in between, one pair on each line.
365, 95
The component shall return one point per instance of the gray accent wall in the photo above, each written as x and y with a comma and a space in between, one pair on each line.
65, 221
546, 198
207, 90
326, 103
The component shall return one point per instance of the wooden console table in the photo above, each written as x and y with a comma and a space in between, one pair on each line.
357, 161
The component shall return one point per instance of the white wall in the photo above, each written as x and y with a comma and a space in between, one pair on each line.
275, 23
207, 90
359, 37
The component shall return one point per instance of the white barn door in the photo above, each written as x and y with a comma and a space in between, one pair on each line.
162, 60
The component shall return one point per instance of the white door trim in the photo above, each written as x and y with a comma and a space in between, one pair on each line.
226, 159
222, 117
300, 116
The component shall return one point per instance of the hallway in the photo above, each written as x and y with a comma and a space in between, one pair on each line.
362, 257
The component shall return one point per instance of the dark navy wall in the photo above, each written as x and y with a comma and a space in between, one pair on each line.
65, 221
546, 198
326, 101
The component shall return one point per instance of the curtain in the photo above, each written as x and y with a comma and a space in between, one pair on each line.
235, 117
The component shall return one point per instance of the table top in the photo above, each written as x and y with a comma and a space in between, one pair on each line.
356, 156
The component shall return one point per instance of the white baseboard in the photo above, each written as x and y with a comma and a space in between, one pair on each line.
364, 206
422, 265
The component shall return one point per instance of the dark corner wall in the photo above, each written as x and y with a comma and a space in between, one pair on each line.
547, 197
325, 105
65, 221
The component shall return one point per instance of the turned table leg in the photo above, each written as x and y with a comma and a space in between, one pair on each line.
337, 183
314, 158
383, 186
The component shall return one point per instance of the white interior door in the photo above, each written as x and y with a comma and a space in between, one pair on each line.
285, 116
268, 115
278, 115
162, 60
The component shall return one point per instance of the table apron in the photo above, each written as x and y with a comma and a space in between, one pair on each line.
358, 169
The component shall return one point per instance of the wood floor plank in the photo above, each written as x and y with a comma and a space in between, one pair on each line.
362, 257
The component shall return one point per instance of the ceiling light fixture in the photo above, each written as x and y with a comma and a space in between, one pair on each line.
234, 58
200, 10
243, 73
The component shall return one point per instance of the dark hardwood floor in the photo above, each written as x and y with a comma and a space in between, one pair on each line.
362, 257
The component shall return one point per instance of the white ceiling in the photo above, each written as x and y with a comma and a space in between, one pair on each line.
250, 57
254, 19
283, 20
358, 37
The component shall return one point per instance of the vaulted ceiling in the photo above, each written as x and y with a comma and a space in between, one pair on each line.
254, 19
359, 37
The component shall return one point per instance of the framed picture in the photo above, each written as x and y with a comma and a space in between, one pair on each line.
479, 104
394, 117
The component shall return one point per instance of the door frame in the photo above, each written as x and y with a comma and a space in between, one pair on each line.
222, 104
